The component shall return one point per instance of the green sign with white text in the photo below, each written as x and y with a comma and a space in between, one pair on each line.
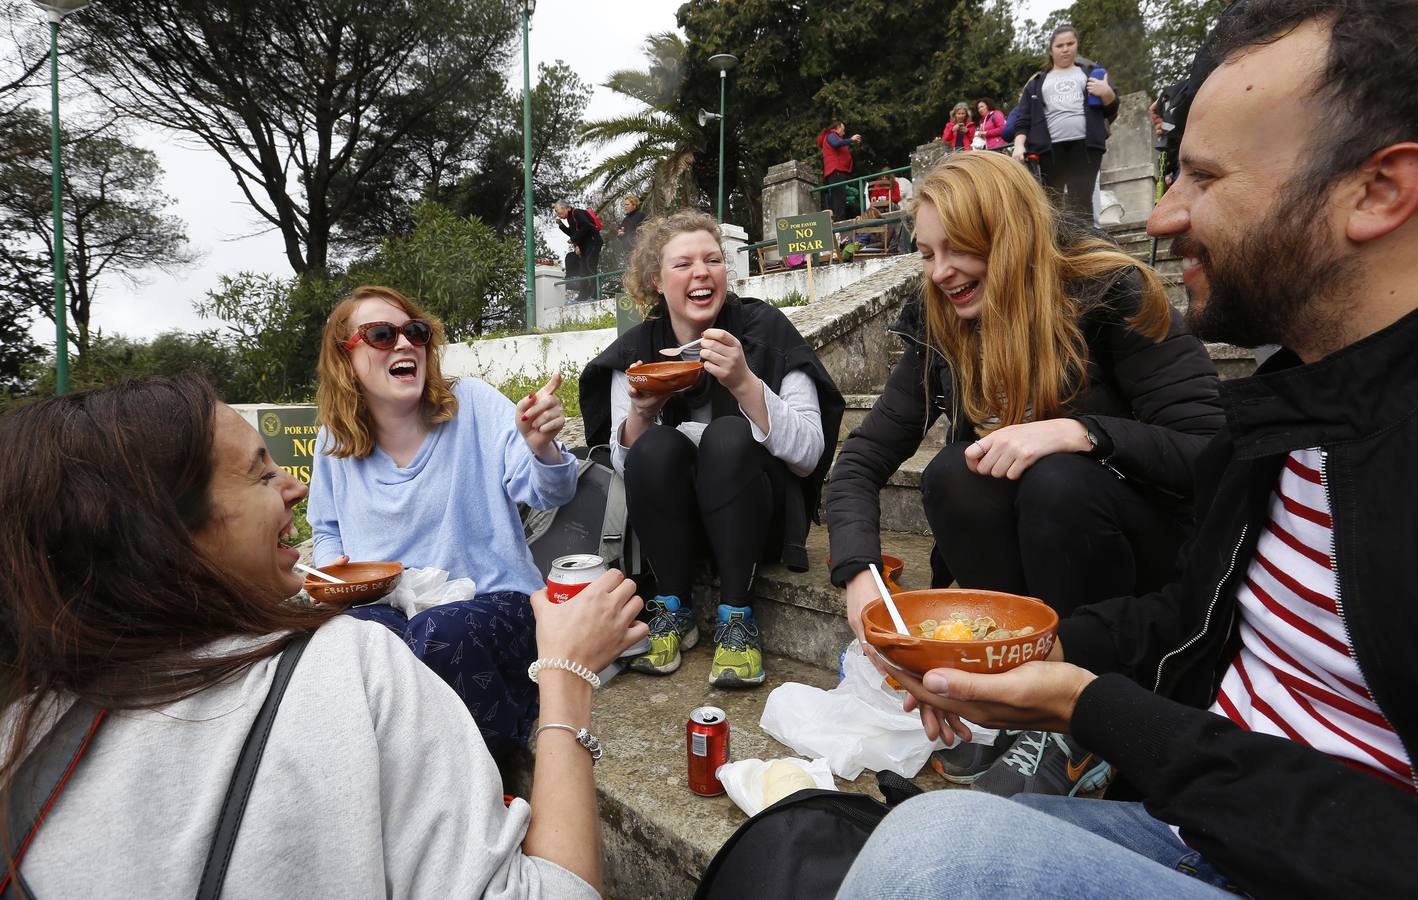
289, 432
805, 234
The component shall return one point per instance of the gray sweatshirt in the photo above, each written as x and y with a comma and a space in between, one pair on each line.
375, 783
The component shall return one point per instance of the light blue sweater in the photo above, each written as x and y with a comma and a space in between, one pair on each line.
454, 507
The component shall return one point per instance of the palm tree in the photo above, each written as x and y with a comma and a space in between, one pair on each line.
659, 163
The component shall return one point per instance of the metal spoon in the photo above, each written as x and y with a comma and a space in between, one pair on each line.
319, 574
676, 351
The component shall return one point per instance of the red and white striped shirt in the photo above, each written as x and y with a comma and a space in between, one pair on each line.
1295, 675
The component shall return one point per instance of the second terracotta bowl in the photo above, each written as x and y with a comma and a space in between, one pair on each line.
664, 377
364, 582
919, 655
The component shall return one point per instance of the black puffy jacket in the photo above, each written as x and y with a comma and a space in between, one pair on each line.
1154, 402
1034, 123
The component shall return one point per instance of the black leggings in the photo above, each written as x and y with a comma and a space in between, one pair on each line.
726, 493
1069, 170
1068, 532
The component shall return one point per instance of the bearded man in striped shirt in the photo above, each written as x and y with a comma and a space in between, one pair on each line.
1263, 708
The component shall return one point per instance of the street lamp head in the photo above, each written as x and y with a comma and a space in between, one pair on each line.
530, 6
58, 9
723, 61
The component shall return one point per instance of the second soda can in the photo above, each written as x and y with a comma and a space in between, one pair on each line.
707, 740
569, 574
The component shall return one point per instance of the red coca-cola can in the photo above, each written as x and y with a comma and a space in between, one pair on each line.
707, 739
569, 574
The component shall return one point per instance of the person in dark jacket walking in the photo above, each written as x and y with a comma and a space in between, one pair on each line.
1261, 707
1063, 119
584, 260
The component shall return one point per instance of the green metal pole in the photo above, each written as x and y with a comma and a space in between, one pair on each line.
61, 331
723, 76
527, 225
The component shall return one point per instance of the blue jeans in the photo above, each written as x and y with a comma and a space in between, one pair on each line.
481, 648
957, 843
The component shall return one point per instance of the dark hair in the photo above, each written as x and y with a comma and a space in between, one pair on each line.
1063, 28
1366, 82
989, 102
107, 597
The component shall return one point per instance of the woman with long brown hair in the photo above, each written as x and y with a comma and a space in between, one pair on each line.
1076, 404
147, 573
427, 470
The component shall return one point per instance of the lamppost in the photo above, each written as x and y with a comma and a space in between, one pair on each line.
723, 62
57, 10
528, 7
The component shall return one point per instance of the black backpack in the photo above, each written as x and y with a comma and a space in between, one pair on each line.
801, 847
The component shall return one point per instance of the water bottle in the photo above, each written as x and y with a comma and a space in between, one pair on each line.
1099, 73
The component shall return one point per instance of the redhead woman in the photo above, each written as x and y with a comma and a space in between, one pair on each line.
146, 625
1077, 405
428, 471
730, 468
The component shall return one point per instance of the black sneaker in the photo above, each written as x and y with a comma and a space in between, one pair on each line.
965, 762
1040, 762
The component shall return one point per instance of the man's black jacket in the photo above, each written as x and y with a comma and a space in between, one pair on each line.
1153, 404
581, 229
1277, 817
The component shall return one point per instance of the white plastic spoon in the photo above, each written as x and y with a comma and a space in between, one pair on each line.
676, 351
890, 606
319, 574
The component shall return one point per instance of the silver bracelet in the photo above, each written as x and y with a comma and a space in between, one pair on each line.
583, 737
575, 668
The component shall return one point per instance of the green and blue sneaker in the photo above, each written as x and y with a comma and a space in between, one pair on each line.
738, 652
672, 629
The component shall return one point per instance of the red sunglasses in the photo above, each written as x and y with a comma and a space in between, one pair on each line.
384, 335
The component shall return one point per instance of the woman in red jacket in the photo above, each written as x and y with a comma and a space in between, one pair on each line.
959, 130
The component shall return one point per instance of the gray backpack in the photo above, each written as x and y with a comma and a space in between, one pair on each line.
593, 521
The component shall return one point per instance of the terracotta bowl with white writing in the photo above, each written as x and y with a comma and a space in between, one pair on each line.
365, 582
919, 655
664, 377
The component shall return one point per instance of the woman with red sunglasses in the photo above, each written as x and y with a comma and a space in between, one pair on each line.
428, 471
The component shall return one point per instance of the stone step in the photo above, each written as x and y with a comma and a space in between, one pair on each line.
858, 405
803, 616
658, 834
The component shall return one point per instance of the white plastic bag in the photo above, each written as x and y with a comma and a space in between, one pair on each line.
421, 589
857, 725
743, 780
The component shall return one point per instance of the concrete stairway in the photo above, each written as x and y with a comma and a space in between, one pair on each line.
659, 835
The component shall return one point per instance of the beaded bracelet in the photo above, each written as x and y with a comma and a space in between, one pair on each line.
575, 668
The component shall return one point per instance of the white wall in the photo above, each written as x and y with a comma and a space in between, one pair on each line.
501, 360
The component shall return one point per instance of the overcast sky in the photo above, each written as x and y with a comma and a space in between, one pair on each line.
595, 37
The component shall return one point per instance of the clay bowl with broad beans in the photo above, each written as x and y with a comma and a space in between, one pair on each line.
919, 654
365, 582
664, 377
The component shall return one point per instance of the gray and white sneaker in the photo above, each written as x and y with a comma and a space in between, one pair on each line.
1042, 762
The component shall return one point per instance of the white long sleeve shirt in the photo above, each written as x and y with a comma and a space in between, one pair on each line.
794, 422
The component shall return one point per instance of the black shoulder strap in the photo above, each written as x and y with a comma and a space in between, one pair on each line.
242, 779
39, 780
